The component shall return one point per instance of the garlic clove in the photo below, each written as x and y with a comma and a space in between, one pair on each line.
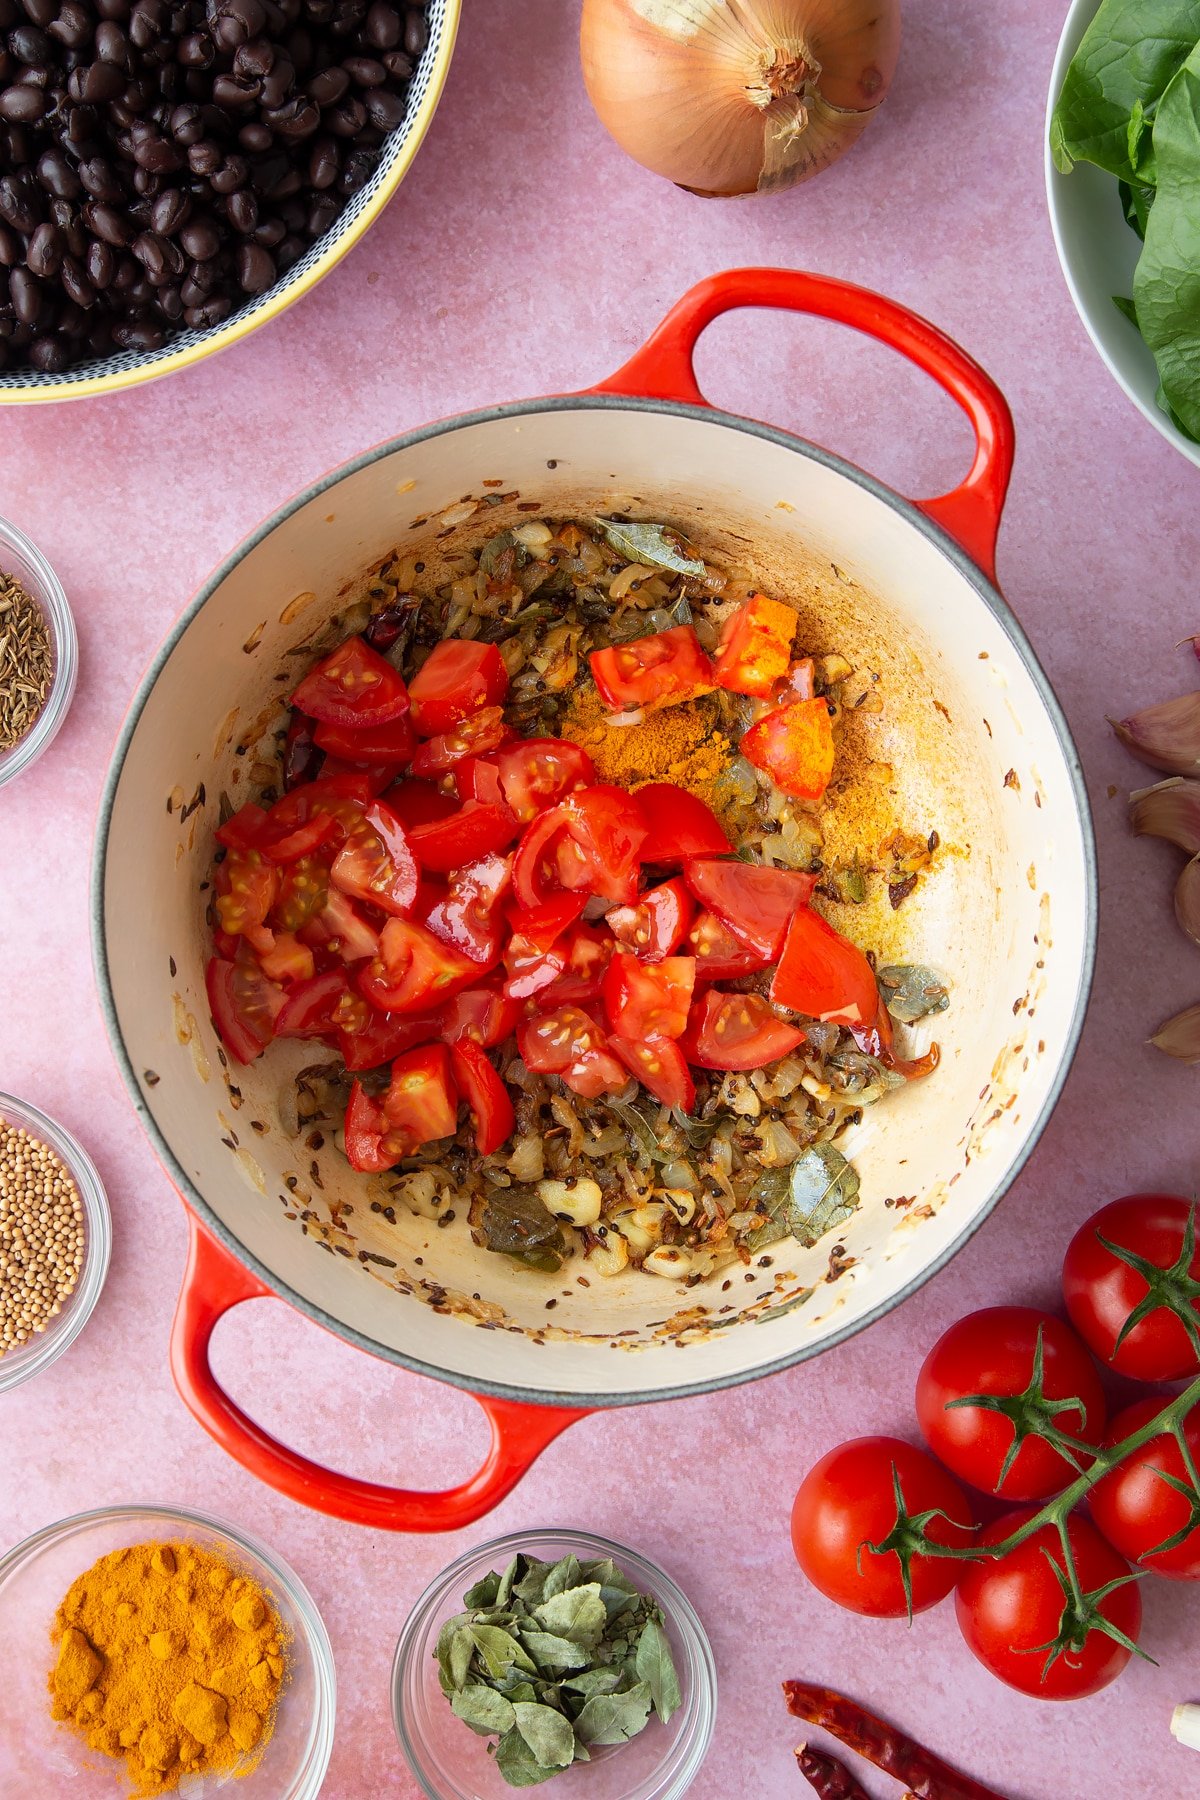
1185, 1725
1180, 1036
1167, 736
1170, 810
1187, 900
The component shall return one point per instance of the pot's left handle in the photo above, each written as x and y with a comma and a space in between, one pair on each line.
213, 1282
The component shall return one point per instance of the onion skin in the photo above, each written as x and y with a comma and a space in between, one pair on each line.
1166, 736
727, 97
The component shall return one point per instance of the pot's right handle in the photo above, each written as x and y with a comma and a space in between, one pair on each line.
213, 1282
663, 370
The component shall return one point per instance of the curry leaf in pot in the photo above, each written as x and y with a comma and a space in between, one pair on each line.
515, 1223
911, 991
824, 1193
649, 544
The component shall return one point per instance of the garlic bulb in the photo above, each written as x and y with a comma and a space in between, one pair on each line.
738, 96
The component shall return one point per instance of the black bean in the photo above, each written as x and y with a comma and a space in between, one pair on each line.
279, 83
210, 312
74, 25
186, 124
49, 354
290, 250
297, 119
29, 44
385, 111
11, 250
384, 25
322, 214
170, 210
25, 292
323, 164
100, 179
44, 251
200, 239
204, 157
357, 172
255, 137
398, 64
254, 60
112, 46
328, 87
138, 334
58, 175
107, 223
18, 207
23, 103
365, 71
101, 264
416, 31
255, 269
76, 284
242, 211
41, 12
232, 174
347, 118
169, 302
269, 232
112, 9
233, 92
197, 50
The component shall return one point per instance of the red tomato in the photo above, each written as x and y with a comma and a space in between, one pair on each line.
469, 918
719, 956
536, 773
375, 776
568, 1043
352, 686
589, 843
1012, 1609
419, 803
381, 1038
368, 1144
585, 954
656, 926
245, 1006
341, 798
648, 999
414, 970
318, 1007
486, 1096
534, 955
246, 885
649, 671
484, 1015
756, 902
756, 646
287, 959
1152, 1234
799, 683
1137, 1509
457, 678
794, 746
245, 830
421, 1103
993, 1352
658, 1064
478, 778
823, 974
392, 742
468, 740
472, 832
736, 1031
679, 824
376, 862
341, 929
848, 1500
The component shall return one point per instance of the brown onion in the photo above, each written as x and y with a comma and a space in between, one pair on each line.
738, 96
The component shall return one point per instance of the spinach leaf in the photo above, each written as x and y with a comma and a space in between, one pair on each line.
1129, 55
1166, 282
1136, 201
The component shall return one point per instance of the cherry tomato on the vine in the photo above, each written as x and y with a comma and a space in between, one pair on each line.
1137, 1259
998, 1447
1138, 1507
1018, 1618
848, 1500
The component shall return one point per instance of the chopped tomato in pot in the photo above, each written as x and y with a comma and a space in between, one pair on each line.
754, 900
287, 959
382, 1037
463, 837
485, 1095
274, 834
667, 666
659, 1065
538, 928
679, 824
354, 685
794, 746
719, 956
303, 886
484, 1015
530, 975
478, 778
536, 773
244, 1004
736, 1031
421, 1103
535, 866
456, 679
472, 738
823, 974
585, 955
319, 1005
376, 862
341, 797
365, 1131
413, 969
800, 683
340, 928
246, 886
418, 802
569, 1044
391, 742
756, 646
469, 918
375, 776
657, 924
245, 830
648, 999
588, 843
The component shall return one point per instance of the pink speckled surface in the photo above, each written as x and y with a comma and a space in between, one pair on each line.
525, 254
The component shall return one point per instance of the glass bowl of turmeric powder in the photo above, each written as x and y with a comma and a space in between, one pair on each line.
190, 1658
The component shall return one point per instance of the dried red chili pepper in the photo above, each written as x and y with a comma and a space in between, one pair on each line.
926, 1775
828, 1778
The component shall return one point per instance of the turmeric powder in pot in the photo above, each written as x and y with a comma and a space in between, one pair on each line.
682, 744
170, 1659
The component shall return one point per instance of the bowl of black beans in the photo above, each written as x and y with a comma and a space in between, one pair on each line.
173, 173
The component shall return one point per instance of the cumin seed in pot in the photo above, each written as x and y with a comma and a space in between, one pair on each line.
26, 661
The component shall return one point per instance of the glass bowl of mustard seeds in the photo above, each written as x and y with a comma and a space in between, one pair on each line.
54, 1220
39, 653
41, 1756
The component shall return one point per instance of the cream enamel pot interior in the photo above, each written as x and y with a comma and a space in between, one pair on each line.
971, 744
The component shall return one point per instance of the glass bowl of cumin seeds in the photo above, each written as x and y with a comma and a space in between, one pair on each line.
39, 653
55, 1330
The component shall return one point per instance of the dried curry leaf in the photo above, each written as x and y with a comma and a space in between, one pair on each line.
911, 991
824, 1193
516, 1223
649, 544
